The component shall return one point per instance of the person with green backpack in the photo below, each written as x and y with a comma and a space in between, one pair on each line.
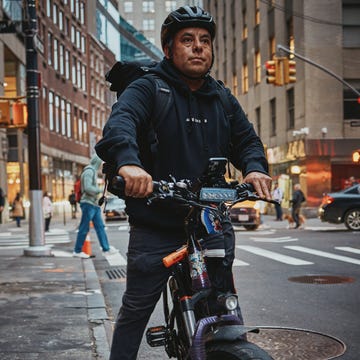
91, 211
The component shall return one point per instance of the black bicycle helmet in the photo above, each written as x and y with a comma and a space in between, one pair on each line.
186, 16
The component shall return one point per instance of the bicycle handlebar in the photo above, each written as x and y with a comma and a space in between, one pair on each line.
181, 191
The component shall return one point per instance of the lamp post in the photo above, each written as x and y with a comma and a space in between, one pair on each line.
36, 224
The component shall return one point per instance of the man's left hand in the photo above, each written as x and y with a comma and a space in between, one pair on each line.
261, 183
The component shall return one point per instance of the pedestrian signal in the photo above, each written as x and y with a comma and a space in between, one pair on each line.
273, 72
289, 71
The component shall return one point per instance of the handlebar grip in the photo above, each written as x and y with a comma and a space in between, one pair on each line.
118, 183
244, 187
175, 256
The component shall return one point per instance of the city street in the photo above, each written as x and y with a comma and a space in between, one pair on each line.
303, 279
300, 287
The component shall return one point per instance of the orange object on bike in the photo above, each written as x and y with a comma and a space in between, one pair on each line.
175, 256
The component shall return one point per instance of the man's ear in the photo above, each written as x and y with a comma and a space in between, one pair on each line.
167, 51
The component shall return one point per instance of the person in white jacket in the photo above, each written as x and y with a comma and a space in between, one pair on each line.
47, 209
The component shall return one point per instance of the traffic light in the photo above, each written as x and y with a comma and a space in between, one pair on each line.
289, 71
273, 72
356, 156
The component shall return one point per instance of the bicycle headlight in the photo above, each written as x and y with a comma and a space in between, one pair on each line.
231, 302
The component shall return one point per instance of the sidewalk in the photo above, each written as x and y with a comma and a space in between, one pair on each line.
50, 307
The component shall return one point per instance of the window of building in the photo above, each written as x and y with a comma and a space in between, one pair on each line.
82, 13
63, 117
148, 24
75, 126
273, 117
351, 106
55, 14
128, 6
351, 24
61, 20
245, 78
51, 111
257, 12
257, 67
235, 85
80, 126
68, 120
83, 77
67, 64
72, 6
272, 47
244, 27
291, 108
148, 6
61, 57
170, 6
78, 75
258, 120
56, 54
73, 70
48, 8
78, 39
57, 114
83, 44
50, 48
73, 34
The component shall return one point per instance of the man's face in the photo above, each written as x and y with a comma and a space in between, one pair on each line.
191, 51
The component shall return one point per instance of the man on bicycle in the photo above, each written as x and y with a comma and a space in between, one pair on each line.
195, 129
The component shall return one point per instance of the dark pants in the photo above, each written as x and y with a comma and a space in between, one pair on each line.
295, 212
279, 212
146, 278
47, 223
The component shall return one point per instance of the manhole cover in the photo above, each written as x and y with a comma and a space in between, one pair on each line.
116, 274
322, 279
290, 343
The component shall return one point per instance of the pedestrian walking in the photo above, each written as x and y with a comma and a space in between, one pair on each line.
90, 210
297, 199
48, 210
278, 195
18, 210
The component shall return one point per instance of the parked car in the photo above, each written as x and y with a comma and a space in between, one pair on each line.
115, 209
245, 214
342, 207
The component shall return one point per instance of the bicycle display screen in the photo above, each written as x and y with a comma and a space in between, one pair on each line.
217, 194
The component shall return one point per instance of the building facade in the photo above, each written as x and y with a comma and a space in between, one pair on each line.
311, 127
78, 41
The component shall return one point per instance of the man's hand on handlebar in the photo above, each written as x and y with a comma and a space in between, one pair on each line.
261, 183
138, 183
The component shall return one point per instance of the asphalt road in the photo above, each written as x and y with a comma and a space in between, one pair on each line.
269, 264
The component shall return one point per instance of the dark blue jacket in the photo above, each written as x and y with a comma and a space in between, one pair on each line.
195, 129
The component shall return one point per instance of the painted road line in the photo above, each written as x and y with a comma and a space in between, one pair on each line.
324, 254
238, 262
349, 249
273, 255
274, 240
115, 259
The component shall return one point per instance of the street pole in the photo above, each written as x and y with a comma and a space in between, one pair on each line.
36, 220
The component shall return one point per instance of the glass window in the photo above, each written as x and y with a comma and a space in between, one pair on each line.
61, 56
128, 6
63, 118
73, 34
48, 8
78, 75
148, 6
170, 6
57, 114
50, 48
291, 108
73, 70
351, 106
273, 117
245, 79
67, 64
51, 110
148, 24
55, 13
244, 28
68, 119
56, 55
257, 68
82, 13
257, 12
83, 77
61, 20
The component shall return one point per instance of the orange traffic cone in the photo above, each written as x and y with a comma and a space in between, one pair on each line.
87, 246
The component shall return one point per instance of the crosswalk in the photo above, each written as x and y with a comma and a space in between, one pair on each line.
286, 252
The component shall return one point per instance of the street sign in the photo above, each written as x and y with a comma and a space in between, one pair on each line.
39, 45
8, 27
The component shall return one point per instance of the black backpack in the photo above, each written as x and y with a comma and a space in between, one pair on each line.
121, 75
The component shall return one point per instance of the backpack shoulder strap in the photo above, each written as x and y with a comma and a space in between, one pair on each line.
225, 101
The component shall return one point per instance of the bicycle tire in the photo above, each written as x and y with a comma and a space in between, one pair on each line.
237, 350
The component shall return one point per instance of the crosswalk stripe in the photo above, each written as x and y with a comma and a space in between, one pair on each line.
116, 259
349, 249
238, 262
324, 254
273, 255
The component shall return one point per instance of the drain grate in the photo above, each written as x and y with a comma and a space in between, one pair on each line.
322, 279
116, 273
